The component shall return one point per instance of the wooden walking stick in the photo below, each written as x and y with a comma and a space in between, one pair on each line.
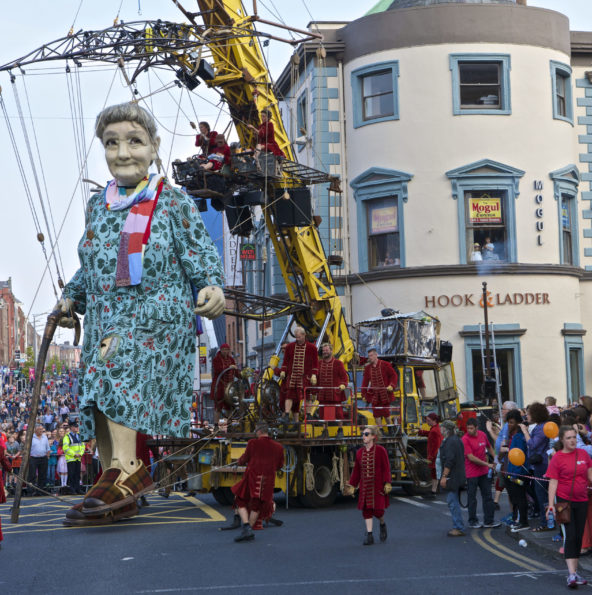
50, 328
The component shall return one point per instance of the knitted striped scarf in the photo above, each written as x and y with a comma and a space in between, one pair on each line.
136, 229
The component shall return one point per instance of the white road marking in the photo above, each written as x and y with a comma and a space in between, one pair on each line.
410, 501
394, 580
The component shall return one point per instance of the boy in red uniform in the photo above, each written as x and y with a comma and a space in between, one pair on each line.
372, 472
434, 441
378, 385
254, 492
299, 371
222, 360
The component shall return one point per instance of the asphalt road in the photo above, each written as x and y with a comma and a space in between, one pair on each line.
175, 546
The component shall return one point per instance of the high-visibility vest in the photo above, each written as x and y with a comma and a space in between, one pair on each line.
73, 447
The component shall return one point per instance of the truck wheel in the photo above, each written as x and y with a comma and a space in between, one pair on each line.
324, 492
223, 496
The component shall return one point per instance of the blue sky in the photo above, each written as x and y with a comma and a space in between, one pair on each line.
47, 93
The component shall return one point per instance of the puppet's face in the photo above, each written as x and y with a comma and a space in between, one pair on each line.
129, 151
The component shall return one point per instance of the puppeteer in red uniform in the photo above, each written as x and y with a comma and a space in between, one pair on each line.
6, 466
332, 374
254, 492
299, 370
266, 136
378, 384
372, 473
222, 361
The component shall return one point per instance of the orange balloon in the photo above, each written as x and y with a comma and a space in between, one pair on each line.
194, 405
551, 430
517, 457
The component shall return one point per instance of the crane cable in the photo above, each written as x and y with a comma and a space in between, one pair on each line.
27, 189
59, 255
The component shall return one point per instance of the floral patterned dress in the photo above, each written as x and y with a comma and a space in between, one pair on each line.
143, 379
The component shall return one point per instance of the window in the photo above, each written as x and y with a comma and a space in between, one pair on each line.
566, 229
302, 116
374, 93
565, 184
377, 95
508, 358
380, 195
480, 83
485, 192
485, 226
561, 89
574, 360
383, 232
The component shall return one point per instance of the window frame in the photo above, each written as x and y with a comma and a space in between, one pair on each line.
507, 337
565, 184
374, 183
504, 62
357, 77
369, 234
573, 342
302, 114
564, 71
472, 177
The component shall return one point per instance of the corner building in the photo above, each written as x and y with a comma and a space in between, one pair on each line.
468, 159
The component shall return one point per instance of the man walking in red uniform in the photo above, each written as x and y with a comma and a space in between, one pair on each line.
434, 441
299, 371
372, 472
222, 361
333, 379
254, 492
378, 385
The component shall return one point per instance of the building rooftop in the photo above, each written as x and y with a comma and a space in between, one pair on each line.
384, 5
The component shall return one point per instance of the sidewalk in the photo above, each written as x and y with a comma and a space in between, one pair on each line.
542, 543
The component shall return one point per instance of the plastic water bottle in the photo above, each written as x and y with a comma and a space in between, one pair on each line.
551, 520
522, 543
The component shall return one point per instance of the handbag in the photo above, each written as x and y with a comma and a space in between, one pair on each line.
563, 509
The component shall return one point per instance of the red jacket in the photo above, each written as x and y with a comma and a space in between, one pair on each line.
4, 464
219, 364
434, 441
311, 363
266, 137
332, 373
263, 457
375, 381
371, 471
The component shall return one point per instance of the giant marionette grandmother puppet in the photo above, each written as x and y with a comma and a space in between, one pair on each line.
143, 246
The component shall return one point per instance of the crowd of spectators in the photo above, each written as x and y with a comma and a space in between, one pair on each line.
57, 417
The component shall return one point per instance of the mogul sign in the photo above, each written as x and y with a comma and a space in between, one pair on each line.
493, 299
485, 210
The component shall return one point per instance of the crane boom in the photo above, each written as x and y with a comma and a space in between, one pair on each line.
243, 77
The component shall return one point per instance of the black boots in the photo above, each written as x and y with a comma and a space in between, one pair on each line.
369, 539
383, 533
246, 534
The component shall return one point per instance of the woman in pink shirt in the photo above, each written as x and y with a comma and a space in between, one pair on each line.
570, 471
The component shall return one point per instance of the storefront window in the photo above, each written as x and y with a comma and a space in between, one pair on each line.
486, 233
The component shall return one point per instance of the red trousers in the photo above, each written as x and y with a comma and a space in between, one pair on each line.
368, 513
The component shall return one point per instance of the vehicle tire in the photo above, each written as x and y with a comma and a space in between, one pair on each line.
324, 492
223, 496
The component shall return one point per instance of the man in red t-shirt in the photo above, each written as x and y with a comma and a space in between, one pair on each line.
477, 469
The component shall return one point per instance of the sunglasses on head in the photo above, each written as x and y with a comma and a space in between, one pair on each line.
366, 433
